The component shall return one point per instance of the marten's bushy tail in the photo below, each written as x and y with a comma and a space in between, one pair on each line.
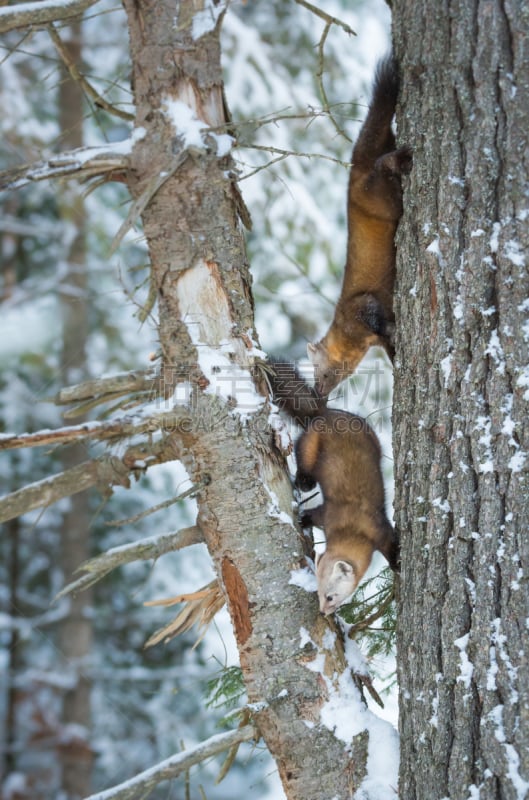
291, 393
376, 136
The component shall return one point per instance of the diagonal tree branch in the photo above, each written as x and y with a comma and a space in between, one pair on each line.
143, 783
41, 13
104, 472
114, 428
143, 550
86, 86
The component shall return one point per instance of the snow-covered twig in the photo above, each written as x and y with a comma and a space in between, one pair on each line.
143, 550
85, 163
120, 427
40, 13
143, 783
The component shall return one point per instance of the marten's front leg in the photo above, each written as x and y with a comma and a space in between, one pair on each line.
304, 481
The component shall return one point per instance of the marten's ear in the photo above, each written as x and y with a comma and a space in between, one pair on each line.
342, 570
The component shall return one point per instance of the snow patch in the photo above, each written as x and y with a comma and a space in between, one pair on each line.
466, 668
513, 251
206, 314
346, 716
304, 578
494, 238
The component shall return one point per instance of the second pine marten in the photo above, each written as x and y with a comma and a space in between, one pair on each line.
341, 453
364, 312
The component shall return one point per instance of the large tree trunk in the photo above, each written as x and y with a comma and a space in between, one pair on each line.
205, 313
460, 403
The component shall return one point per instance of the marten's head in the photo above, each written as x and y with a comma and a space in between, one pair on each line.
357, 325
332, 363
339, 575
337, 581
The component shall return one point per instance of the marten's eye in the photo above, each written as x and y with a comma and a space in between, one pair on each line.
330, 598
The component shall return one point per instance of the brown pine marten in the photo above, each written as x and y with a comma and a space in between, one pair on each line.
364, 312
341, 453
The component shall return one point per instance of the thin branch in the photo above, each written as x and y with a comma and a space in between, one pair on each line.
41, 13
285, 153
145, 549
85, 163
165, 504
143, 783
326, 17
319, 77
329, 22
77, 76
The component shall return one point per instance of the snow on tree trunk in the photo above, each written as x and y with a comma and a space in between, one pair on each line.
460, 404
181, 179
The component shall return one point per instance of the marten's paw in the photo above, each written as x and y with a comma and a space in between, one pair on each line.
304, 482
404, 156
305, 520
398, 162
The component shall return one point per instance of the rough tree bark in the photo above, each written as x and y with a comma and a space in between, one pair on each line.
460, 404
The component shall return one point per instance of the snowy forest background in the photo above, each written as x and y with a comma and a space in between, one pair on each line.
149, 703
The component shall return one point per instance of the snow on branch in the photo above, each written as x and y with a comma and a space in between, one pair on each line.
47, 491
143, 550
41, 13
103, 472
143, 783
85, 162
120, 427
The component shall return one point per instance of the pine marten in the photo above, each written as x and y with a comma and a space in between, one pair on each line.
364, 312
341, 453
